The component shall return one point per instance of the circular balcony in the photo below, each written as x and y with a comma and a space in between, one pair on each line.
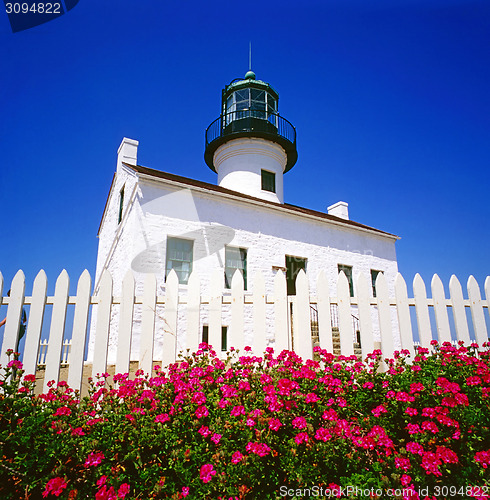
251, 123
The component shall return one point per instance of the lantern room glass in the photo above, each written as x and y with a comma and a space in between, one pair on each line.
254, 103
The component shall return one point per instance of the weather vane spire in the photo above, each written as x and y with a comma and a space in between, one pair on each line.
250, 56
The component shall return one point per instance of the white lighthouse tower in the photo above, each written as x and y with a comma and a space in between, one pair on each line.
250, 146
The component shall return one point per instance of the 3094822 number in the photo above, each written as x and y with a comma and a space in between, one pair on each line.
468, 491
35, 8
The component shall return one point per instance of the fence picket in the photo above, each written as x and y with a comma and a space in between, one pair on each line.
43, 349
79, 333
487, 293
459, 313
104, 306
14, 312
170, 315
59, 351
365, 320
384, 313
281, 327
477, 315
148, 309
440, 310
324, 316
302, 318
259, 342
215, 306
346, 327
126, 312
422, 311
236, 327
35, 323
403, 314
193, 311
66, 355
57, 330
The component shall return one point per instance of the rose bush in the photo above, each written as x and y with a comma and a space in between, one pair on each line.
245, 426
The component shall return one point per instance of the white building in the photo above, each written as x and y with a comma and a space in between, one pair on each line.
155, 221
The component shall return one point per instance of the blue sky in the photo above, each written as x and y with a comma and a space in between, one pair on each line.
390, 100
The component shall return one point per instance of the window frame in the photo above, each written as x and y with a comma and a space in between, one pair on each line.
179, 272
121, 206
349, 276
243, 269
235, 108
264, 180
224, 338
373, 279
291, 280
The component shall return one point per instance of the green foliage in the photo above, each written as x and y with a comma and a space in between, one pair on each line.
246, 426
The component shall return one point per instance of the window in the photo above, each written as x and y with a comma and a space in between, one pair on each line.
252, 102
242, 99
257, 103
348, 272
235, 258
374, 275
272, 110
179, 258
224, 336
205, 334
268, 181
293, 267
271, 104
121, 205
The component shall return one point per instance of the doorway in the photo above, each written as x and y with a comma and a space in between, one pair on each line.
293, 267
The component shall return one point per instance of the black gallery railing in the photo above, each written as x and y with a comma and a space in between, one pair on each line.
250, 120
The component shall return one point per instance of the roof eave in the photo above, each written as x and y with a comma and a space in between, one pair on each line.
200, 186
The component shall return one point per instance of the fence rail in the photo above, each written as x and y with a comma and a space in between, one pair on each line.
386, 319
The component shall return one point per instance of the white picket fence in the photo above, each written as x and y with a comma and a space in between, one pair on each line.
43, 351
400, 334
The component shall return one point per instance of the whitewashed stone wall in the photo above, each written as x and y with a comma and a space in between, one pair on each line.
213, 220
240, 162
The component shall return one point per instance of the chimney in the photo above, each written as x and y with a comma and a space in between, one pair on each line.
339, 209
127, 152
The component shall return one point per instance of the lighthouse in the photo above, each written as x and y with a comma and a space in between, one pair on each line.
250, 145
159, 223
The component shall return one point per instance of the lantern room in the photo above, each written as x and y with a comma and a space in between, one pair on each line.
250, 145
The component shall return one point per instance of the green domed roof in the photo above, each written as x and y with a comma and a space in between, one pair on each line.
249, 81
